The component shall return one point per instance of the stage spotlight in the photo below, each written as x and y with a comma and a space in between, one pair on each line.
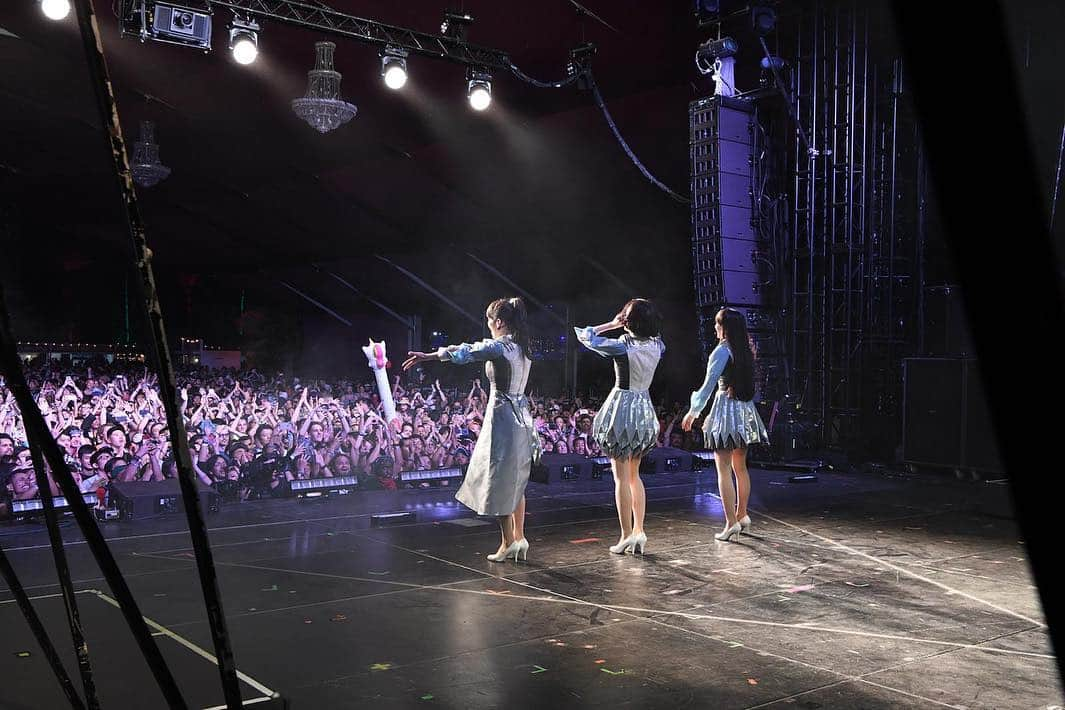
479, 89
244, 40
716, 57
763, 18
718, 48
394, 68
55, 9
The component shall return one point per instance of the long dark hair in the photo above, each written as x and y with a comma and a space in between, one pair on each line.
641, 317
740, 378
512, 312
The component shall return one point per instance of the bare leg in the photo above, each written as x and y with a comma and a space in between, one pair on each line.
723, 461
622, 496
506, 528
743, 481
519, 520
639, 495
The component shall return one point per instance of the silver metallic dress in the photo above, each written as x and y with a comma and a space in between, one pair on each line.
626, 426
507, 445
731, 423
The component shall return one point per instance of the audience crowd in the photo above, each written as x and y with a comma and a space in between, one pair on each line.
251, 434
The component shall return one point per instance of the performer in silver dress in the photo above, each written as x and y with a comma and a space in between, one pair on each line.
733, 423
508, 444
626, 426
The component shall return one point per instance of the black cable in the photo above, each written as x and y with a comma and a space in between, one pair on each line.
545, 84
625, 146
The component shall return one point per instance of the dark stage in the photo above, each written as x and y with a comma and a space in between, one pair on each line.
858, 591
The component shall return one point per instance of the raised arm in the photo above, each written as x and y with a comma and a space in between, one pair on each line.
590, 338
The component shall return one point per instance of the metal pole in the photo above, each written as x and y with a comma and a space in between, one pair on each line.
66, 586
574, 349
37, 628
105, 101
38, 430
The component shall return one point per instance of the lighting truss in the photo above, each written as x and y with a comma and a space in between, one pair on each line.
325, 19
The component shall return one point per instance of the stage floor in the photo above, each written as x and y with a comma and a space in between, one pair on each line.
857, 591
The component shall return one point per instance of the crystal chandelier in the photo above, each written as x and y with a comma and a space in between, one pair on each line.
147, 170
322, 107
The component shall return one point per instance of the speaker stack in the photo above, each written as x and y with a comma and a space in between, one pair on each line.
946, 419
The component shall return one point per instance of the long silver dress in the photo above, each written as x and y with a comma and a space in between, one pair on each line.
507, 445
626, 426
731, 423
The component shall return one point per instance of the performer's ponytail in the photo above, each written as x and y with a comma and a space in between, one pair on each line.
512, 312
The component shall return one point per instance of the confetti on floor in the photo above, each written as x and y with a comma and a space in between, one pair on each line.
381, 667
584, 540
539, 669
752, 681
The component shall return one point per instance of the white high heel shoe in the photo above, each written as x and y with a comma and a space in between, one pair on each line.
621, 547
633, 541
518, 547
728, 533
745, 523
512, 550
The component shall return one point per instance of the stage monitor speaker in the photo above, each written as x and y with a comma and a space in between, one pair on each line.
146, 499
665, 459
566, 467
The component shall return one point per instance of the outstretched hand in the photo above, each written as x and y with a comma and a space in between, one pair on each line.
413, 358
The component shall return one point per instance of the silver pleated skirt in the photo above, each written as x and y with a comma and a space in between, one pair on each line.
626, 426
732, 424
499, 465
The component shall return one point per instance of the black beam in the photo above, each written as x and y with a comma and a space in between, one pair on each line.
37, 430
66, 585
108, 110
